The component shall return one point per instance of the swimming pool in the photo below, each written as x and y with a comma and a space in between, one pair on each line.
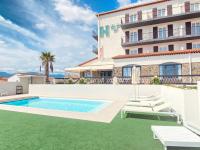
75, 105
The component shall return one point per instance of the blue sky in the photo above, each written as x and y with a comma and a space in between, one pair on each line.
63, 27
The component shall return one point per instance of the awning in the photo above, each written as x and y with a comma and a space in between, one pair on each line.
89, 68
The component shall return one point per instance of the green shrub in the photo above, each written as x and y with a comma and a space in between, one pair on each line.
82, 81
69, 81
155, 80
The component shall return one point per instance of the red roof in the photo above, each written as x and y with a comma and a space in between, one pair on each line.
88, 61
131, 7
177, 52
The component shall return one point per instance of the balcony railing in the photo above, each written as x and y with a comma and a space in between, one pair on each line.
160, 37
147, 18
95, 35
95, 49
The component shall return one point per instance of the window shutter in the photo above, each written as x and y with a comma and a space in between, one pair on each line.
170, 30
127, 35
169, 10
155, 32
140, 35
189, 45
155, 49
171, 47
187, 6
140, 50
139, 13
126, 18
127, 51
188, 28
154, 12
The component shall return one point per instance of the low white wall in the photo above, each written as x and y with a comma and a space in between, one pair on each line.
9, 87
175, 97
105, 92
192, 108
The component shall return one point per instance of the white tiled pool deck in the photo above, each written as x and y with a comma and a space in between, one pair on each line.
105, 115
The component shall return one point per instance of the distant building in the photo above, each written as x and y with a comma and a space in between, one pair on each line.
3, 79
27, 78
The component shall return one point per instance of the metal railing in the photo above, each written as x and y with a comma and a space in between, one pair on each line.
148, 15
124, 80
100, 80
95, 34
95, 49
171, 79
161, 35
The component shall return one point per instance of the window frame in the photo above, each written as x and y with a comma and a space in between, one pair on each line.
170, 64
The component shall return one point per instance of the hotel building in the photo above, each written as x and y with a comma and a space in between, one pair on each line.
159, 38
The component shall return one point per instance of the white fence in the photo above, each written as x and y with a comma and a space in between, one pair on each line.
103, 92
9, 87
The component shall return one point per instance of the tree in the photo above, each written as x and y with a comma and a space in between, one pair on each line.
47, 62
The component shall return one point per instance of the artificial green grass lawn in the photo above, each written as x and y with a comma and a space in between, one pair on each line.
21, 131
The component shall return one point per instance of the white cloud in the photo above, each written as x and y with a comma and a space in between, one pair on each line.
74, 13
68, 36
14, 56
8, 24
123, 2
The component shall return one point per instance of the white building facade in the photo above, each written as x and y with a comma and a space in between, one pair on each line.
159, 38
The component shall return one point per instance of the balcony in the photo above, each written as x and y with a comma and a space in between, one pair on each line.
95, 49
95, 35
147, 18
179, 34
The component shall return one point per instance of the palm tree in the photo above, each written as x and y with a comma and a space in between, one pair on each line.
47, 61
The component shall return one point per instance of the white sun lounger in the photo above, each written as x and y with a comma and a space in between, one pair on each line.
138, 99
174, 136
157, 110
145, 103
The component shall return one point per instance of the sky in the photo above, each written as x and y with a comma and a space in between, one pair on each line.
63, 27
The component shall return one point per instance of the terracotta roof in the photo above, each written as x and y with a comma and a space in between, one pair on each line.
131, 7
177, 52
88, 61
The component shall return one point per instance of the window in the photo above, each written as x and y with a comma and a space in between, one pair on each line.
133, 18
195, 7
196, 28
127, 51
105, 74
196, 46
87, 74
155, 49
127, 71
140, 50
134, 36
189, 45
162, 49
170, 69
162, 33
171, 47
132, 52
161, 12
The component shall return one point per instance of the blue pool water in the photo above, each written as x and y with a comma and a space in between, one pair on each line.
77, 105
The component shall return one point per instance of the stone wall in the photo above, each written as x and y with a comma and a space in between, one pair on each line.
196, 68
117, 72
151, 70
185, 69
